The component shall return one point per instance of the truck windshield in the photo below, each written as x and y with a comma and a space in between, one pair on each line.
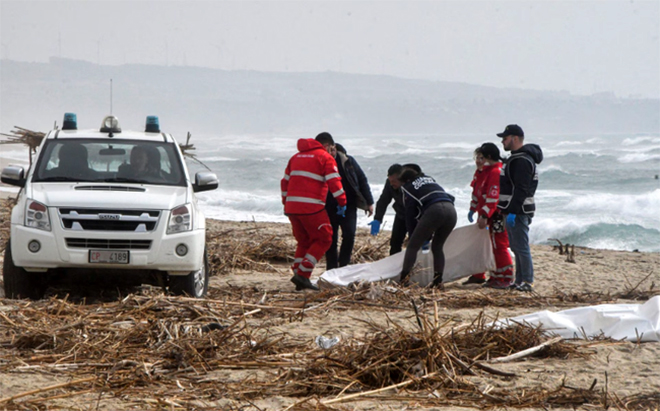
124, 161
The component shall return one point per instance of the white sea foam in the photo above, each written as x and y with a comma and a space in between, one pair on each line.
638, 158
569, 143
638, 140
595, 215
218, 159
553, 167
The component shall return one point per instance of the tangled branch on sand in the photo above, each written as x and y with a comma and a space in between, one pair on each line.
248, 246
184, 346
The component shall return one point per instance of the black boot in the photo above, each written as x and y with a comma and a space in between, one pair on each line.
405, 278
303, 283
437, 281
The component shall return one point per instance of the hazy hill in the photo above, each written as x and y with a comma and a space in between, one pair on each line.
208, 101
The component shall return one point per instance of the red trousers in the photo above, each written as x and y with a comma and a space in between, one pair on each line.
313, 233
503, 261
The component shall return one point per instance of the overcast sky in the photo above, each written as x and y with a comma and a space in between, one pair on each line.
583, 47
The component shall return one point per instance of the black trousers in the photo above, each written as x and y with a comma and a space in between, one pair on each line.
437, 222
348, 225
398, 235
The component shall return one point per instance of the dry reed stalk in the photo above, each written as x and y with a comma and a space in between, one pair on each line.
44, 389
140, 342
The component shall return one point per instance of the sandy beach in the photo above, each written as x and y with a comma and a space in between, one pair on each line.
258, 296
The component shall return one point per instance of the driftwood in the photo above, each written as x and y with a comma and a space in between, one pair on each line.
44, 389
525, 353
24, 136
186, 151
565, 249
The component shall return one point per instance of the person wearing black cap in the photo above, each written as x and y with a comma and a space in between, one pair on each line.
518, 182
485, 195
391, 191
430, 214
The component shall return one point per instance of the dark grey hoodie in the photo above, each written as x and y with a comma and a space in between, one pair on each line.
519, 180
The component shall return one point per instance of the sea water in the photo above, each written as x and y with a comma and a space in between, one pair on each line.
599, 191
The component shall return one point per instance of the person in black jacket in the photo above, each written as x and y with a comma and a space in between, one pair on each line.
391, 191
430, 215
358, 195
518, 182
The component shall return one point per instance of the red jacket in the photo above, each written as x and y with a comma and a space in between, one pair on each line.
486, 190
307, 178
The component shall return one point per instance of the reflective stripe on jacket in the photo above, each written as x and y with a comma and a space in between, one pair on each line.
519, 180
486, 190
308, 176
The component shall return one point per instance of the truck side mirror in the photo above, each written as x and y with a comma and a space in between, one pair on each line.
14, 175
205, 181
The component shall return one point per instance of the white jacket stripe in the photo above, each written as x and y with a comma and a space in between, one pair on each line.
307, 174
338, 193
305, 200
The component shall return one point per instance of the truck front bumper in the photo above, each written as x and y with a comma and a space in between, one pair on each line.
55, 253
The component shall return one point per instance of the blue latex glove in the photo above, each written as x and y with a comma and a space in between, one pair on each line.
341, 210
375, 227
425, 246
470, 214
511, 220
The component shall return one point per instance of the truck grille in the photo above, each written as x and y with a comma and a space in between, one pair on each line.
111, 188
108, 244
85, 219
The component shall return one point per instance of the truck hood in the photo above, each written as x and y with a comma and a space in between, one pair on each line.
109, 195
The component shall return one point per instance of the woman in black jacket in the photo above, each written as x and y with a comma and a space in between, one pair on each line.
430, 214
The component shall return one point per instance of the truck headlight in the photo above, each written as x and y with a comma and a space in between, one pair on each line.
180, 219
36, 215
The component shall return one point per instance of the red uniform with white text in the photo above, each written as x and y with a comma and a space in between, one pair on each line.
485, 195
308, 176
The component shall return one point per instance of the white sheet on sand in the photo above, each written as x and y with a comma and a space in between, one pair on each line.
467, 251
633, 322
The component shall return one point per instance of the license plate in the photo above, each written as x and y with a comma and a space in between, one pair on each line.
108, 256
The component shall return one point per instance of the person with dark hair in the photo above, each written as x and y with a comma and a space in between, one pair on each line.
430, 215
479, 278
73, 163
485, 195
308, 177
358, 196
518, 182
391, 191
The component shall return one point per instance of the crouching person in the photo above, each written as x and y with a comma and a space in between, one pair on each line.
430, 215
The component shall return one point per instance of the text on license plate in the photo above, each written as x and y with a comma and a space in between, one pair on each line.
108, 256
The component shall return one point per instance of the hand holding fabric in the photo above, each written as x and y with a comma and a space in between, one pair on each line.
341, 210
511, 220
470, 214
375, 227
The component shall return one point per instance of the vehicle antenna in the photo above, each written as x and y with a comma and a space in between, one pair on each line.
110, 96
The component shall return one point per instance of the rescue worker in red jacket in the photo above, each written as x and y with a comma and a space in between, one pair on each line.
307, 178
485, 195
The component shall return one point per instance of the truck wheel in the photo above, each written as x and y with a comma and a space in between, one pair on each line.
195, 284
20, 283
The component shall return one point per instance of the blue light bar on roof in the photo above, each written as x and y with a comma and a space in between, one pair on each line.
152, 125
70, 121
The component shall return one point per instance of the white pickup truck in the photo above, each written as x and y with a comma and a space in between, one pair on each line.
106, 201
